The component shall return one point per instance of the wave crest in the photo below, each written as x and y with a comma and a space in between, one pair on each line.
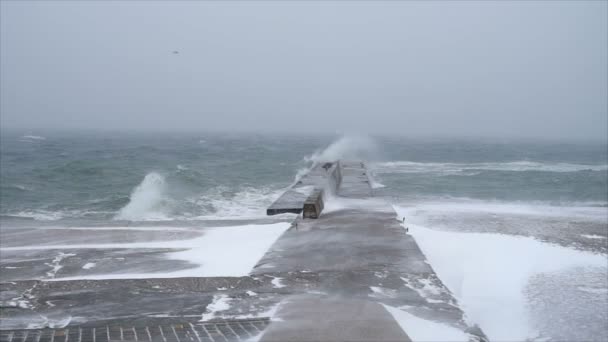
146, 200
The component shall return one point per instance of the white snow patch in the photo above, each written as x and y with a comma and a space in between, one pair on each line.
593, 236
426, 289
382, 292
277, 282
219, 303
419, 329
219, 252
89, 265
56, 264
488, 273
18, 303
375, 289
418, 214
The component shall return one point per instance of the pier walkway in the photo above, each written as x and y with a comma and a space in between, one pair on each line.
326, 279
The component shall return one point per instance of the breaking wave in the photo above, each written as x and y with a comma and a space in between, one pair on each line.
473, 168
146, 200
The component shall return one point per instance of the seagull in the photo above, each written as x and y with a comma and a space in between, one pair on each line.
175, 52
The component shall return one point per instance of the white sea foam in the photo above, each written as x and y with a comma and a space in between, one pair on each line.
249, 202
146, 202
470, 168
488, 274
40, 215
32, 137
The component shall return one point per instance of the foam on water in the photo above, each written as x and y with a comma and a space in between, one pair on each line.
225, 203
471, 168
146, 200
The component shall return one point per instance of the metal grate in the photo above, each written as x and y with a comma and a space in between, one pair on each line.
219, 331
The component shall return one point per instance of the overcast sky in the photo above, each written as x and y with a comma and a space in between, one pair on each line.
440, 68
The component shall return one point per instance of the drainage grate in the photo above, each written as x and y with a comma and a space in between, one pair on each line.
218, 331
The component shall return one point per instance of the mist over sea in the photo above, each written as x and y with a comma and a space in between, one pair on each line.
164, 177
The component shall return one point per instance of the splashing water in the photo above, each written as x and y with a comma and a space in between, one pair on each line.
146, 200
347, 147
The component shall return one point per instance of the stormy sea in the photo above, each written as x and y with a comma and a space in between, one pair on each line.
516, 230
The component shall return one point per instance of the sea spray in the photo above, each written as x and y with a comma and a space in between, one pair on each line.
146, 200
346, 147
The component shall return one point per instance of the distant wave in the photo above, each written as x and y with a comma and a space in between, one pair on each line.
38, 215
16, 187
32, 137
472, 168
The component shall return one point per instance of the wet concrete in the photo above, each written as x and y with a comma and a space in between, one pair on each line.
356, 251
336, 319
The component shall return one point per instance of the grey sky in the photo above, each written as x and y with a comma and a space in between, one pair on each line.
506, 69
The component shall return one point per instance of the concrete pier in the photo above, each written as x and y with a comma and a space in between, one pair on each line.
325, 176
324, 279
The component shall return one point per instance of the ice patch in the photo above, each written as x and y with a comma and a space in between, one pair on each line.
419, 329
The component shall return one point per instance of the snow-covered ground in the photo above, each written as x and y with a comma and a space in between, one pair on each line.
421, 330
517, 287
230, 251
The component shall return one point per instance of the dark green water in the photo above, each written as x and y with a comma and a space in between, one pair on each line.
103, 177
